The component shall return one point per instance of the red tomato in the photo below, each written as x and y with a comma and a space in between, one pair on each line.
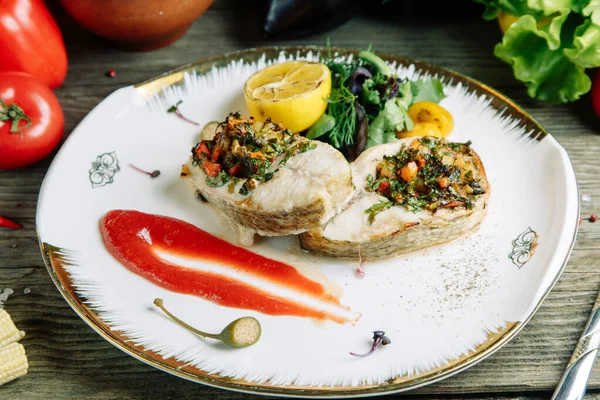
384, 187
30, 41
22, 145
211, 168
596, 92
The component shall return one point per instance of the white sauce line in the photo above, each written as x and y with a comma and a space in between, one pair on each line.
259, 283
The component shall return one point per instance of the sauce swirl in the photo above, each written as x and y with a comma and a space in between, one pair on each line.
183, 258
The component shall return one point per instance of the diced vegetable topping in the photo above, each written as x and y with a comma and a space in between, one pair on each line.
247, 149
429, 174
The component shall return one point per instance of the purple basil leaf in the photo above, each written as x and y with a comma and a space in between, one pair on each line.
357, 79
393, 87
361, 132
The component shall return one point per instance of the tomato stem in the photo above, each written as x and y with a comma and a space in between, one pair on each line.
159, 303
16, 115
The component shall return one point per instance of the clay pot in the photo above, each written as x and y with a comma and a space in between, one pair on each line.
137, 24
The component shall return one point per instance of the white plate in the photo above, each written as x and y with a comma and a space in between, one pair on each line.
444, 308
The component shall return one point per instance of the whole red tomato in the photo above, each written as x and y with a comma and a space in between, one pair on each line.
596, 92
30, 41
31, 120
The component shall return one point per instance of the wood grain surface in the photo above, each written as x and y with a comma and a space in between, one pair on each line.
68, 360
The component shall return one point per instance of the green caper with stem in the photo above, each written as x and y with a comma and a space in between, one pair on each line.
242, 332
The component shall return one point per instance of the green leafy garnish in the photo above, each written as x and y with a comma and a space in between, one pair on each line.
391, 119
380, 65
217, 181
372, 184
175, 107
377, 208
323, 125
370, 94
405, 96
341, 108
297, 149
427, 90
368, 104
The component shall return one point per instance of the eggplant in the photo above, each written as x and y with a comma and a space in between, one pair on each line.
301, 18
415, 12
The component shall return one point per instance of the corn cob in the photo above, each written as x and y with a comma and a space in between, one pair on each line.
8, 331
13, 361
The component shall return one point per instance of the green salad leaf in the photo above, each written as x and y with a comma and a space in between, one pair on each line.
510, 6
551, 45
393, 117
369, 103
405, 94
427, 90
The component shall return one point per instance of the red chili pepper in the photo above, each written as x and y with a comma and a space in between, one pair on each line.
7, 223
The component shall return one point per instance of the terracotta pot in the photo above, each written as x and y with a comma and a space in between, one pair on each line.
137, 24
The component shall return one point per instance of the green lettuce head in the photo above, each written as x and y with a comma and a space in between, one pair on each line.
550, 45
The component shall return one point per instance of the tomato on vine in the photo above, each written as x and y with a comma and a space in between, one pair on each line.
31, 120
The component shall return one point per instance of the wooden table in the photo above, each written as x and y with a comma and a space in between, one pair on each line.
68, 360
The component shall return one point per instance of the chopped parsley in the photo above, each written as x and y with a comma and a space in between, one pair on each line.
301, 147
377, 208
217, 181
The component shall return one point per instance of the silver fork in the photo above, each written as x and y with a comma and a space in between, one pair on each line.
574, 381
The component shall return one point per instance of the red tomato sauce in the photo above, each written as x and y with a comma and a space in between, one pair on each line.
122, 234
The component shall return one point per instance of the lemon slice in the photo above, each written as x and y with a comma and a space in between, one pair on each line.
293, 93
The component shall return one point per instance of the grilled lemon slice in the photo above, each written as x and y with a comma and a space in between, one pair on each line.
293, 93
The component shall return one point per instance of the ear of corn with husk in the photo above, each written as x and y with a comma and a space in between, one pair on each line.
13, 361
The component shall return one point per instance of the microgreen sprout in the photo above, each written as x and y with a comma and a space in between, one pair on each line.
175, 109
360, 272
152, 174
378, 338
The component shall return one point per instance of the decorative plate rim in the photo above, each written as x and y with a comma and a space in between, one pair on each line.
152, 86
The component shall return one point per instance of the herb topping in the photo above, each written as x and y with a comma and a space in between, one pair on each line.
247, 149
429, 174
